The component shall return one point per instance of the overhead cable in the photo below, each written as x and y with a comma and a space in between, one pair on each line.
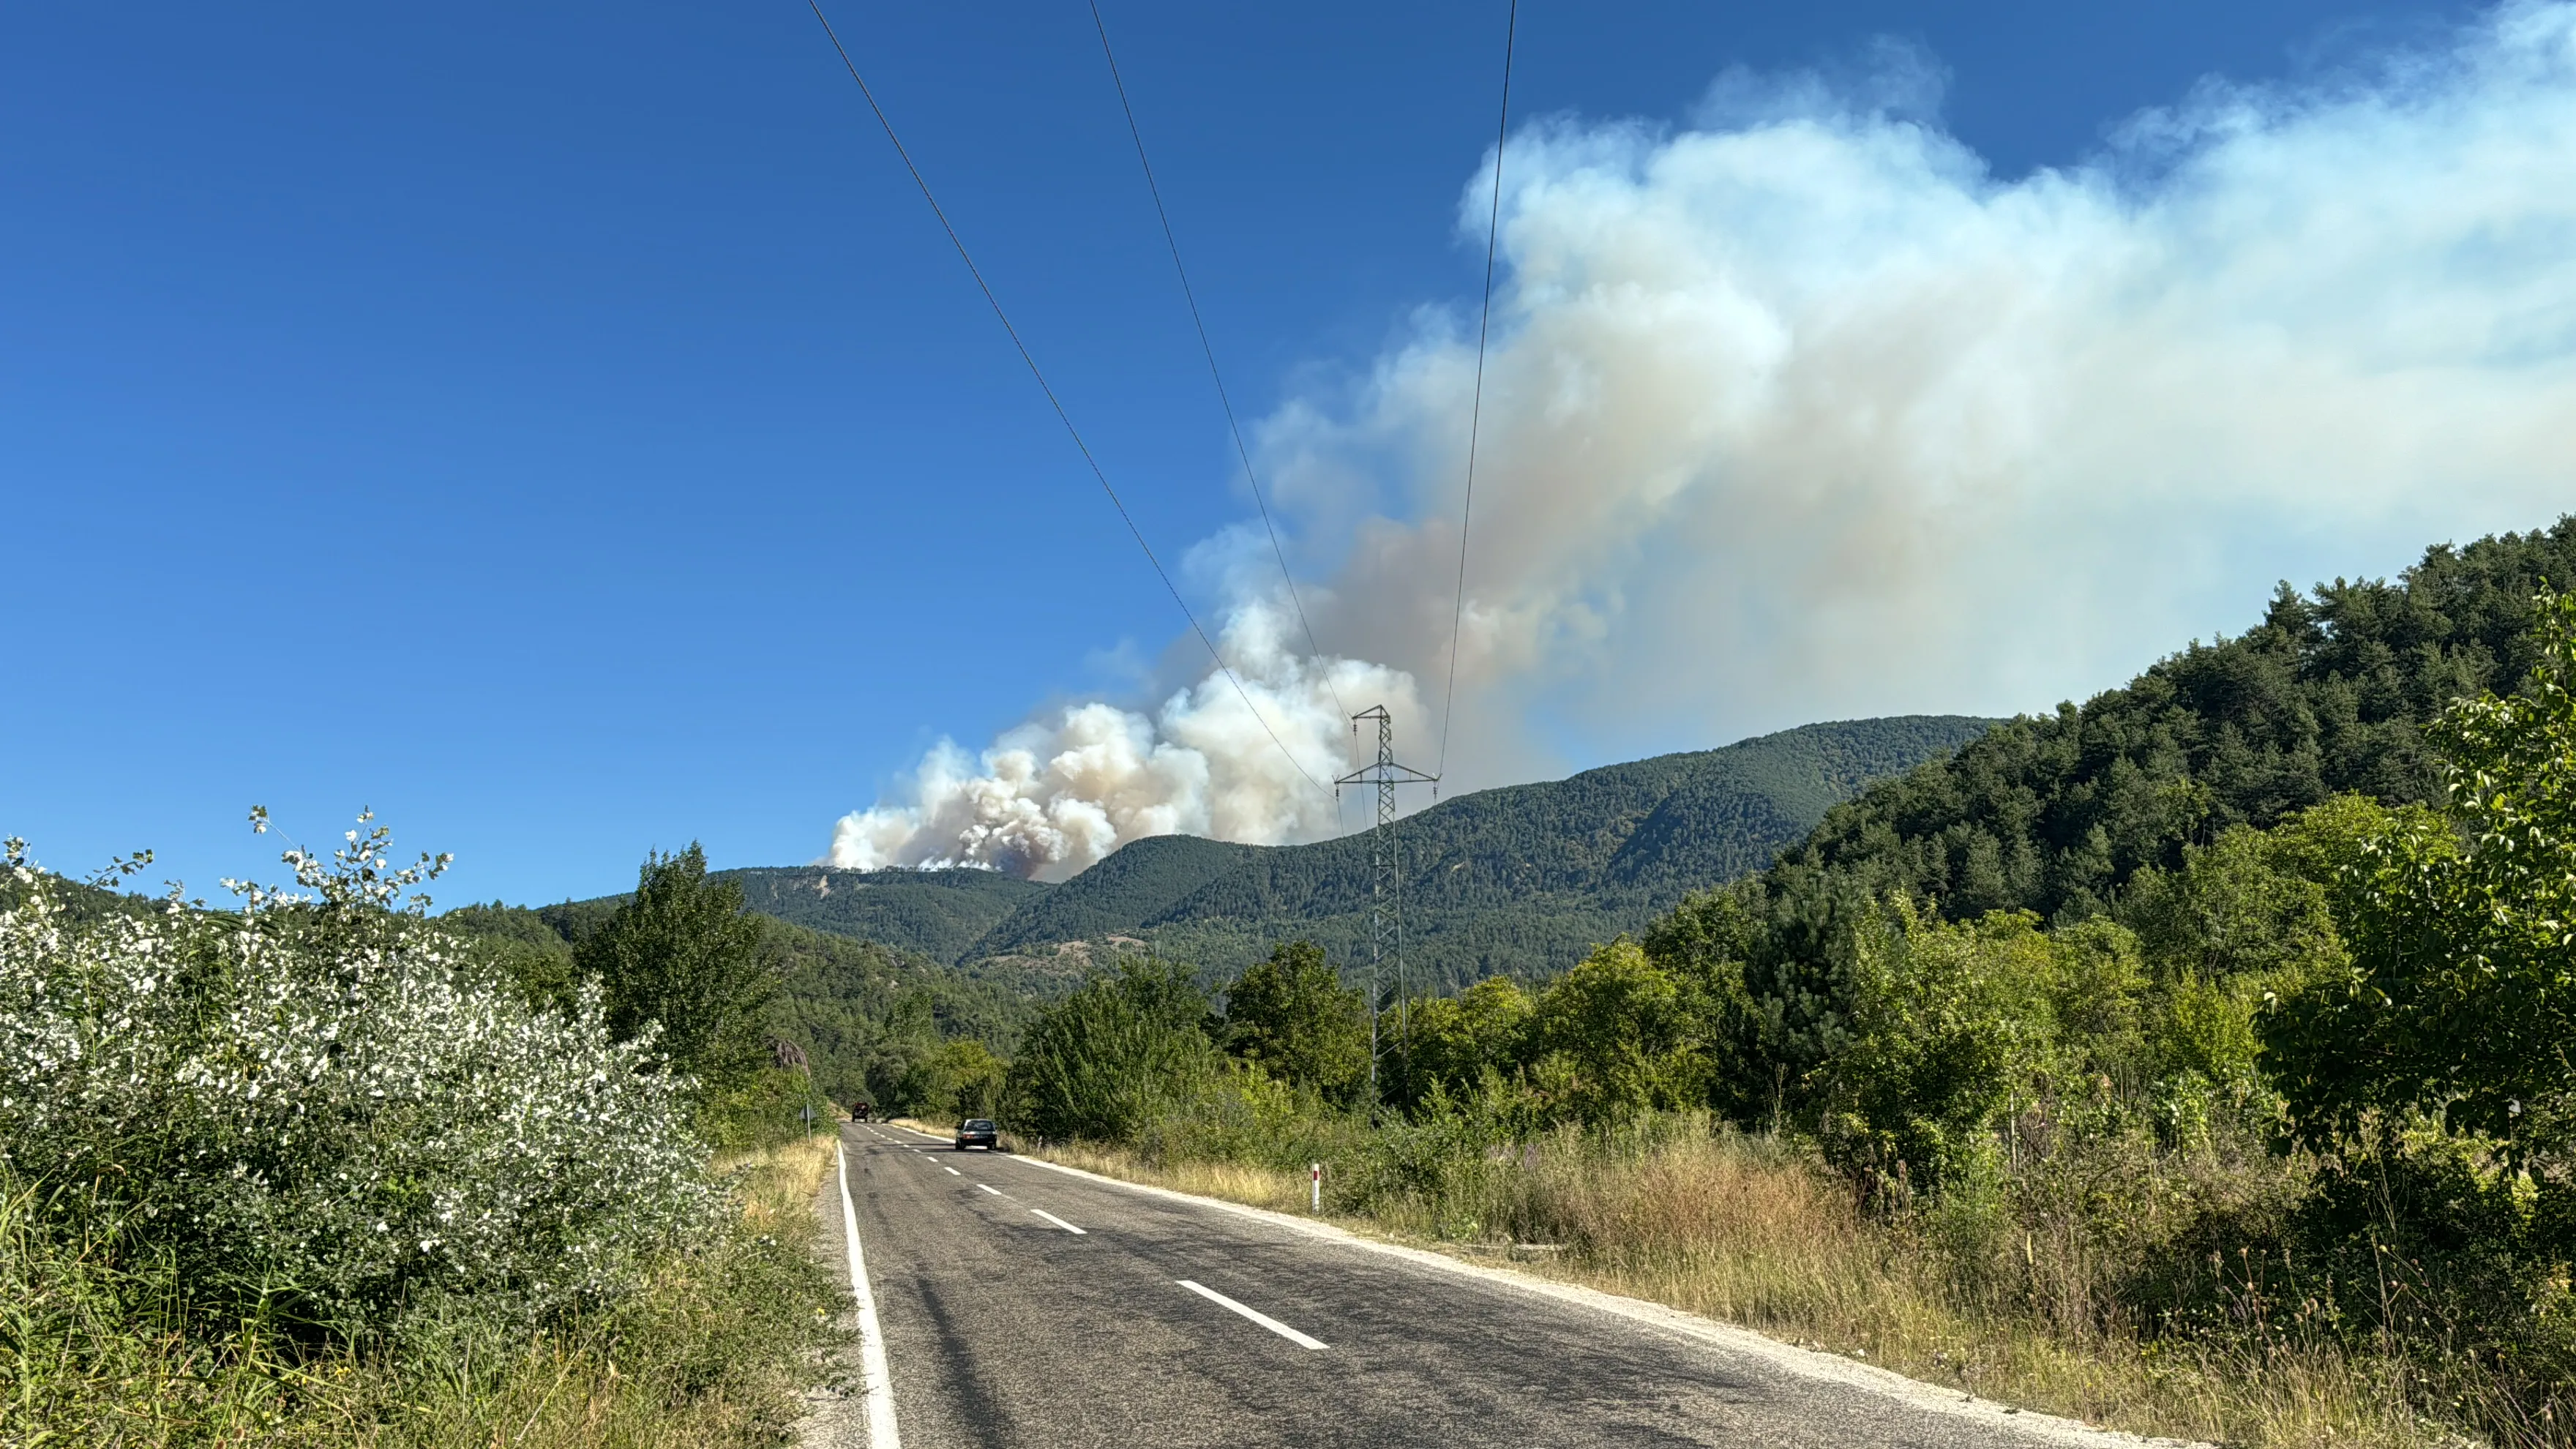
1136, 134
1052, 400
1476, 414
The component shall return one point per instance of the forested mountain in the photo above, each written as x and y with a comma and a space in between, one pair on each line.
2329, 694
939, 913
1517, 881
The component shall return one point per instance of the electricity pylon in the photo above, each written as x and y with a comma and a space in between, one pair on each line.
1386, 901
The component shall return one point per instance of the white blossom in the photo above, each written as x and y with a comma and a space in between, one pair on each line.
318, 1090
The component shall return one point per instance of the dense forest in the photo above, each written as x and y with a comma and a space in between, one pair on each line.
1511, 881
2329, 694
940, 914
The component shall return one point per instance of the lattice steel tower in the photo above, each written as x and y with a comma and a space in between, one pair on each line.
1386, 899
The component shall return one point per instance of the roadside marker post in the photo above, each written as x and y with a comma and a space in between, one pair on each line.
1317, 1188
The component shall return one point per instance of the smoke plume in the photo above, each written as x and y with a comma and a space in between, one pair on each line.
1064, 790
1798, 412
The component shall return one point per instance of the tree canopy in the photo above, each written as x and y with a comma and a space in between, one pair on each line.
1291, 1016
680, 955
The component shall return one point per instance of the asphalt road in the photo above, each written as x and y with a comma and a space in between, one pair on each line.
1022, 1305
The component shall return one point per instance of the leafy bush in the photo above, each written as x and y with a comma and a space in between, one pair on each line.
1455, 1046
954, 1080
1946, 1020
1292, 1016
1614, 1037
319, 1118
1124, 1048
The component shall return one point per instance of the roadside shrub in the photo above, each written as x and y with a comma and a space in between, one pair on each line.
319, 1118
765, 1109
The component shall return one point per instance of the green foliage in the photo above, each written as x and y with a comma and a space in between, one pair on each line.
934, 913
958, 1080
1127, 1046
1771, 962
868, 1016
1291, 1016
2459, 998
322, 1117
103, 1341
1946, 1020
1615, 1037
680, 959
2327, 696
523, 948
1459, 1048
1244, 1115
763, 1108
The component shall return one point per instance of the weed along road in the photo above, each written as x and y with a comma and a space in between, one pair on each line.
1021, 1304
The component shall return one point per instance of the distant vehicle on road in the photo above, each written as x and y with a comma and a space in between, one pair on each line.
977, 1132
858, 1111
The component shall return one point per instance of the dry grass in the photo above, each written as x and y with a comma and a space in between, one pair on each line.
1234, 1182
778, 1183
711, 1356
1735, 1229
1742, 1230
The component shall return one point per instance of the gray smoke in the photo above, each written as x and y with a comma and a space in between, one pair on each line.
1799, 412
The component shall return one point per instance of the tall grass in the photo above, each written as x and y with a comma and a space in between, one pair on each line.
2015, 1290
710, 1354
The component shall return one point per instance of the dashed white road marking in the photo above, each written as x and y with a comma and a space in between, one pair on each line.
1264, 1319
952, 1172
1061, 1223
995, 1191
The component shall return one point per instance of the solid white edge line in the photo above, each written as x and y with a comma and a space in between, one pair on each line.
1264, 1319
878, 1384
1811, 1364
1059, 1222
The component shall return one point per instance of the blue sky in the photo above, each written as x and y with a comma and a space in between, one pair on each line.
563, 430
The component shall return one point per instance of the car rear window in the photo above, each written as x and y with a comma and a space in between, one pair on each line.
979, 1125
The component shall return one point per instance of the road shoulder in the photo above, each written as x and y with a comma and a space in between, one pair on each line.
836, 1415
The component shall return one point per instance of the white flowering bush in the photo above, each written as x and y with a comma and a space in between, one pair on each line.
315, 1110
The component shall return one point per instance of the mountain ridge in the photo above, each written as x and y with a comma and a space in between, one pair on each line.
1514, 880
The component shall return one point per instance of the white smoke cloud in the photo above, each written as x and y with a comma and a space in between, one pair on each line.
1799, 412
1064, 790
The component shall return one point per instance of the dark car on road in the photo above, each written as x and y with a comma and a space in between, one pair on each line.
977, 1132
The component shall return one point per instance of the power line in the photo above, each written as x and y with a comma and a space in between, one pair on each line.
1240, 451
1476, 416
1052, 401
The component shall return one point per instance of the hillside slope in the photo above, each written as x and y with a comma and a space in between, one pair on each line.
939, 913
2328, 694
1519, 880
